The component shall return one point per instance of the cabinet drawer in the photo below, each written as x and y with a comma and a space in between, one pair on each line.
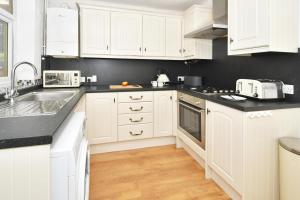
134, 132
135, 96
132, 119
141, 107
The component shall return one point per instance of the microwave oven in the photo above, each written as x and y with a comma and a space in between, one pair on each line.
61, 78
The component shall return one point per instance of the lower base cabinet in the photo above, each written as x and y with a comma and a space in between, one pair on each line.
242, 149
225, 143
102, 117
125, 116
25, 173
163, 113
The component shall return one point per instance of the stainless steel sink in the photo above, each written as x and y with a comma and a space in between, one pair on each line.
47, 96
37, 103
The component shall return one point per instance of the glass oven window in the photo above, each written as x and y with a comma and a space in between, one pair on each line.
190, 121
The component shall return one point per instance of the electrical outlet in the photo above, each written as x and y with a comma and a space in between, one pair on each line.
180, 78
288, 89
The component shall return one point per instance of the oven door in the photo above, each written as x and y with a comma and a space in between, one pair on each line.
191, 121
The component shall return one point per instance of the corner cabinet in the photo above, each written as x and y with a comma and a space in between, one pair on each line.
102, 117
197, 49
163, 113
94, 32
262, 26
224, 143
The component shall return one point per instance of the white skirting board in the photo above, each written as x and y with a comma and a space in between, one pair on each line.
129, 145
226, 187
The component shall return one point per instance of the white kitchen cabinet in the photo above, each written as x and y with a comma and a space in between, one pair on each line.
174, 37
261, 26
25, 173
163, 113
102, 116
197, 49
62, 32
225, 143
94, 32
154, 35
126, 33
242, 149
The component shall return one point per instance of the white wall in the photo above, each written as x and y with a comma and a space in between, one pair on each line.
28, 29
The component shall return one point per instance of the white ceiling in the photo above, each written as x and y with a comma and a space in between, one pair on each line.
179, 5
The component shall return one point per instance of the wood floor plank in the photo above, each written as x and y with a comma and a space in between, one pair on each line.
158, 173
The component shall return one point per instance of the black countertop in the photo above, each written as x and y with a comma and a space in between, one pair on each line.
39, 130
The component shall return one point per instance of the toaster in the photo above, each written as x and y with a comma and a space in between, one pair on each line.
260, 88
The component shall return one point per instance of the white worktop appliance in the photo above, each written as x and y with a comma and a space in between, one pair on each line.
61, 78
260, 88
70, 160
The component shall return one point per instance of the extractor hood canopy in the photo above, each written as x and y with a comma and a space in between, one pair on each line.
218, 27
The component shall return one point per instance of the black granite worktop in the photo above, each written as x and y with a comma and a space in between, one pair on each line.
39, 130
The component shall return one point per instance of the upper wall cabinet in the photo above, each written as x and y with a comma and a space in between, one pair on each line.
262, 26
95, 32
174, 36
126, 33
154, 35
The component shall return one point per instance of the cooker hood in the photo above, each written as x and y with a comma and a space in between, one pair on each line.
218, 27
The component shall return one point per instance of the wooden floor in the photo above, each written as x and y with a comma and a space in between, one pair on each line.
150, 174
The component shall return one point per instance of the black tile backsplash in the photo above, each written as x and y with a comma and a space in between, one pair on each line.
114, 71
221, 72
224, 70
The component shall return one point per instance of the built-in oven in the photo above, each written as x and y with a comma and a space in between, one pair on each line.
191, 117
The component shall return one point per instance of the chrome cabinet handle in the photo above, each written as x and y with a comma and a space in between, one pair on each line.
107, 47
231, 40
208, 111
136, 134
145, 49
139, 120
180, 50
138, 109
133, 98
140, 48
184, 50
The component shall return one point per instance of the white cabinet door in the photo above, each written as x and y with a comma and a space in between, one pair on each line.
173, 37
163, 113
126, 33
102, 117
248, 24
154, 35
225, 143
189, 47
95, 31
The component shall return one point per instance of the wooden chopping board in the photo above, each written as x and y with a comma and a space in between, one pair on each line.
117, 87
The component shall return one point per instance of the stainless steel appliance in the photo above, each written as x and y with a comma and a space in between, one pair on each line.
61, 78
193, 81
260, 88
191, 117
218, 27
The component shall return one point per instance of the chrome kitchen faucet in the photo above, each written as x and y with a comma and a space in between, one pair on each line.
13, 92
